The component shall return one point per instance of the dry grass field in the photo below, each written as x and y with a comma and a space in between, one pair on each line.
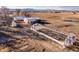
18, 40
57, 20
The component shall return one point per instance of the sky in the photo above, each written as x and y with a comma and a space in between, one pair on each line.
47, 7
42, 4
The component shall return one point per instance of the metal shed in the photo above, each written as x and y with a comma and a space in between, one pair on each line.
24, 20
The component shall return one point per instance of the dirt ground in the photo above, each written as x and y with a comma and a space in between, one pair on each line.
17, 41
57, 21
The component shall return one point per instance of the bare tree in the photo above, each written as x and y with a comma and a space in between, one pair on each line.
18, 11
5, 11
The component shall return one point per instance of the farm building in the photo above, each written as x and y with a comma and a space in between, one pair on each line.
22, 20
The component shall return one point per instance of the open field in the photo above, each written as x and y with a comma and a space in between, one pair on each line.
25, 40
58, 22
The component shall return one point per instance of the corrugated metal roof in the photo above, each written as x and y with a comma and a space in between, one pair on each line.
20, 17
29, 18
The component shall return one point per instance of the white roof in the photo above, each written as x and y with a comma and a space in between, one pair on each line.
19, 17
27, 18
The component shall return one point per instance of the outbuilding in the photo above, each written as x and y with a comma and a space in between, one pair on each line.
22, 20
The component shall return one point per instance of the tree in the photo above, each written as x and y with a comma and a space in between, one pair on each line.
18, 11
4, 10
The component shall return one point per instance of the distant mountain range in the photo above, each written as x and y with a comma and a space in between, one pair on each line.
37, 10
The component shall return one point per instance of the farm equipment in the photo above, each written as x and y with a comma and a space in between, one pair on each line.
65, 40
